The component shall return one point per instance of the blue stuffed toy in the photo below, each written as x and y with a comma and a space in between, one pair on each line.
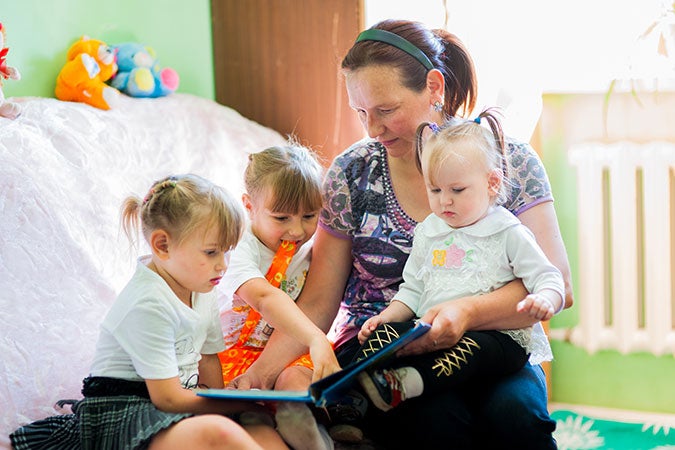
139, 73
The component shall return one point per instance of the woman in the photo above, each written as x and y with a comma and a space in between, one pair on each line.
399, 74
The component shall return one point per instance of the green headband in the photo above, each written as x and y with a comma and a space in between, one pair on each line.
375, 34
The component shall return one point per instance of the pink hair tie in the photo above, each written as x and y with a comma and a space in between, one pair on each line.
149, 196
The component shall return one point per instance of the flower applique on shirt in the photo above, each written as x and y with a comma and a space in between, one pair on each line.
451, 257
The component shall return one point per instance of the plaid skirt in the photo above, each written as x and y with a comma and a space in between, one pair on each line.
98, 423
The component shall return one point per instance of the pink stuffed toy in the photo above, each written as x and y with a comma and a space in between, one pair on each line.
7, 109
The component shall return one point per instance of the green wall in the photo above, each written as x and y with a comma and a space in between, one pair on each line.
636, 381
40, 32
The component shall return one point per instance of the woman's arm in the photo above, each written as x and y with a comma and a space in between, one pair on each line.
543, 222
319, 300
450, 320
327, 278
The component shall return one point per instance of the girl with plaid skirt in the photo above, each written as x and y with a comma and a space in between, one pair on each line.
160, 339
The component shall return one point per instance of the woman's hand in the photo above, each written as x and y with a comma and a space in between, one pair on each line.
449, 322
369, 326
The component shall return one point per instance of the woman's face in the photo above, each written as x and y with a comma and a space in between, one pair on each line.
389, 111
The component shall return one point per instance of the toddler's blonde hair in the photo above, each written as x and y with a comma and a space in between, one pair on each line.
181, 204
463, 139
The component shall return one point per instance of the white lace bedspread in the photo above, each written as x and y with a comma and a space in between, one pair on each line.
64, 170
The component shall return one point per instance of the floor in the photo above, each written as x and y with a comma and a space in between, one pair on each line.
667, 420
616, 414
586, 427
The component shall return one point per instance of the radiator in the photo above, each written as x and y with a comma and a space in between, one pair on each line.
626, 222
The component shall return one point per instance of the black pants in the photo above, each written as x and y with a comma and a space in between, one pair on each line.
479, 356
509, 412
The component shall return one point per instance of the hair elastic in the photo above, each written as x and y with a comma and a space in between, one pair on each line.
375, 34
157, 188
477, 120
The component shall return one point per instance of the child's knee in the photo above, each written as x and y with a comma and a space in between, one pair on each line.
204, 431
213, 428
294, 378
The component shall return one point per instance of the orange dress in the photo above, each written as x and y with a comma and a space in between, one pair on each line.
238, 358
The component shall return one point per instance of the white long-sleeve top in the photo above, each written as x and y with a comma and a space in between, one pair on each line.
447, 263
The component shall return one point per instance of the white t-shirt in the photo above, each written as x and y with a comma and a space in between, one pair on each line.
251, 259
149, 333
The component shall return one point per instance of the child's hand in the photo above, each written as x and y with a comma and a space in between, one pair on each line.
368, 327
538, 306
323, 358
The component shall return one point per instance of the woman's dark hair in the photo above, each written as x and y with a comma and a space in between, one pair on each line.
445, 51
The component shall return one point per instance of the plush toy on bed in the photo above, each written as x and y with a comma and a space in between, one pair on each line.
139, 73
9, 110
90, 63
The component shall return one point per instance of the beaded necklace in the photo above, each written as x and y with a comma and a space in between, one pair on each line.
398, 217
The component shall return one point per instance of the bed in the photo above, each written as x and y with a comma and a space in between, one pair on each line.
64, 169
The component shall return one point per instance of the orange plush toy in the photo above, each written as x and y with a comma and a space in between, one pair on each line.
82, 79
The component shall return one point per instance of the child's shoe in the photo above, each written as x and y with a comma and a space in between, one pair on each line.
384, 387
345, 417
344, 432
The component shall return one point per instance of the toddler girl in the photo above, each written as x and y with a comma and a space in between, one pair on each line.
266, 274
160, 339
468, 245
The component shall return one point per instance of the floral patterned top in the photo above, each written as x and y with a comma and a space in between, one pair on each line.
360, 204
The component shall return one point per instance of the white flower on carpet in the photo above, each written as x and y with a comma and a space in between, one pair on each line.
575, 434
656, 427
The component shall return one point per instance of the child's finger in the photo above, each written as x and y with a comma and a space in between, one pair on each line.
524, 305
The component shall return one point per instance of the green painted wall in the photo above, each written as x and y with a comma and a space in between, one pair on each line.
40, 32
637, 381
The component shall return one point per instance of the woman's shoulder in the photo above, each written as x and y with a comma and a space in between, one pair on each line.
516, 149
364, 159
528, 181
362, 151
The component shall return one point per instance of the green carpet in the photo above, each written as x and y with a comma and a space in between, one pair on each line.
579, 432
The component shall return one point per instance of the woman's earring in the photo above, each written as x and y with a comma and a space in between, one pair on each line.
438, 106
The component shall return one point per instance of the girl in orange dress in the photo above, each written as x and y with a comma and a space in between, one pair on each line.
266, 273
